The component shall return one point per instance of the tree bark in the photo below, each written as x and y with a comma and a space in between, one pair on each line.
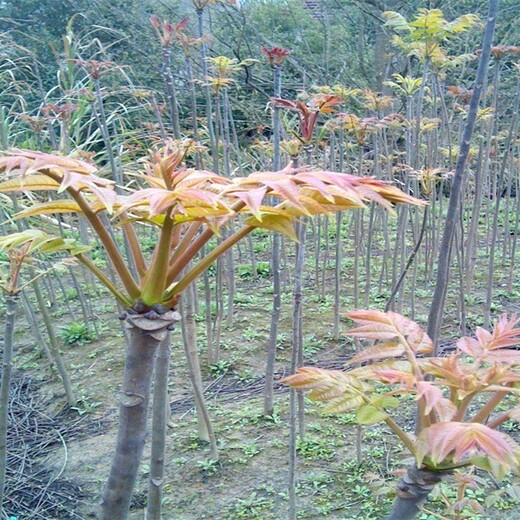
412, 491
275, 262
159, 419
145, 335
53, 343
7, 367
437, 307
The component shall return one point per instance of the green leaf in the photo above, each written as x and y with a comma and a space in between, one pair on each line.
386, 401
369, 414
494, 467
344, 403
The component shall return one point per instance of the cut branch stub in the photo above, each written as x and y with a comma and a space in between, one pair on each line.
152, 323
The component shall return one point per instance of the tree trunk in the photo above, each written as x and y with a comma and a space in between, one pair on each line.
412, 491
159, 419
273, 332
189, 337
275, 262
7, 367
145, 335
437, 307
53, 343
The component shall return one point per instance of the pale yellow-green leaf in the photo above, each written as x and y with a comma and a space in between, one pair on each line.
498, 470
344, 403
29, 183
385, 401
53, 206
41, 242
369, 414
278, 223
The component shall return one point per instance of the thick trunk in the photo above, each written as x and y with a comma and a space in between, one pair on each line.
412, 491
145, 335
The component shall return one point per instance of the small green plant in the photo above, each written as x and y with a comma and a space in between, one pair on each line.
252, 508
317, 449
71, 293
243, 299
274, 418
85, 405
209, 467
311, 346
252, 333
250, 450
76, 333
263, 270
221, 367
245, 376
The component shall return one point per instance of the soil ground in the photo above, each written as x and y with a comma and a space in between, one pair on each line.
249, 482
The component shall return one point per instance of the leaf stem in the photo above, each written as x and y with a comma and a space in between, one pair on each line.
486, 410
110, 246
154, 284
461, 411
405, 437
104, 280
135, 248
205, 262
497, 421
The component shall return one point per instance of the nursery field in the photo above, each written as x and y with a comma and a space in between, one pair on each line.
259, 260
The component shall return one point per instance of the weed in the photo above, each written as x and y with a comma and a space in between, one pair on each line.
250, 450
245, 376
71, 293
84, 405
311, 346
76, 333
316, 449
252, 333
221, 367
263, 270
252, 508
209, 467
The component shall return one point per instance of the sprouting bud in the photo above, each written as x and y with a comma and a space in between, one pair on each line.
276, 56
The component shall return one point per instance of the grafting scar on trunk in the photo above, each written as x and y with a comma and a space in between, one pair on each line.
413, 490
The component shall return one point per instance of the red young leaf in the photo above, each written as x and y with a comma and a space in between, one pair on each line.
389, 325
447, 442
434, 400
491, 346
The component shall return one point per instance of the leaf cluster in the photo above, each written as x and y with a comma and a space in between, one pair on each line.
456, 429
188, 206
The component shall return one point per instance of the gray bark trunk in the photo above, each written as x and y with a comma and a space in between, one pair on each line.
412, 491
437, 307
145, 335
